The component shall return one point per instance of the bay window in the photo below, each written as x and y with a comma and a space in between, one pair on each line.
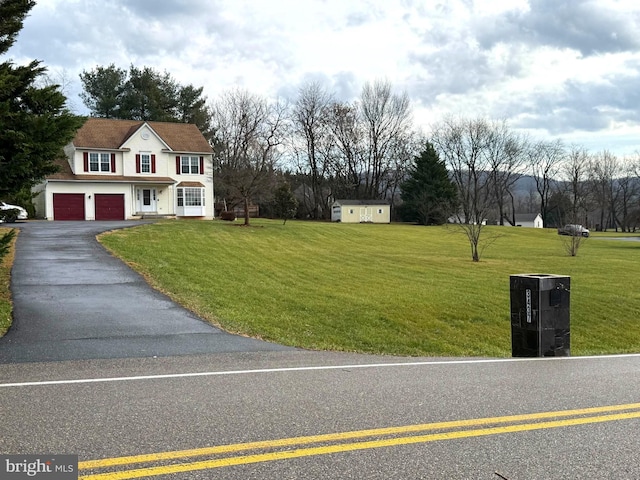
190, 201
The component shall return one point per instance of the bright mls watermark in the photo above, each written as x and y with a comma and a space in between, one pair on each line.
50, 467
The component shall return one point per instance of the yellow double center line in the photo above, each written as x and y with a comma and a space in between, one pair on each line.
339, 442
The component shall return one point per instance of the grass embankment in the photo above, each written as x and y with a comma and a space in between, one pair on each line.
5, 293
394, 289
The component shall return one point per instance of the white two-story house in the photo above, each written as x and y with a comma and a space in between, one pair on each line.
126, 169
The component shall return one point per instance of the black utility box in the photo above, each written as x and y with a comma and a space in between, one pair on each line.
540, 315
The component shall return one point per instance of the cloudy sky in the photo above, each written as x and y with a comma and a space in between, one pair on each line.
566, 69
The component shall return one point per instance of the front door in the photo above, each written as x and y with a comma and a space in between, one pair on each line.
147, 200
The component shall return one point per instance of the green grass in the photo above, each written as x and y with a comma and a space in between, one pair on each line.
392, 289
6, 307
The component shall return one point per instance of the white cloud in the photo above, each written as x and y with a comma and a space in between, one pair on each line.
564, 68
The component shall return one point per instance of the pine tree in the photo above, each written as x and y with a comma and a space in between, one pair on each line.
143, 94
285, 203
5, 242
34, 121
428, 194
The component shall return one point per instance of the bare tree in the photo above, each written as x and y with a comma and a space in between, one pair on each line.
359, 150
386, 121
248, 132
576, 170
402, 159
576, 173
602, 172
310, 116
627, 197
544, 159
506, 157
464, 145
348, 167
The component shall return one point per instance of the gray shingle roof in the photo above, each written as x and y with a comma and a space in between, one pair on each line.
361, 202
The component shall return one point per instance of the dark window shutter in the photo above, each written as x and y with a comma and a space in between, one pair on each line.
177, 164
85, 156
137, 163
201, 165
153, 163
113, 162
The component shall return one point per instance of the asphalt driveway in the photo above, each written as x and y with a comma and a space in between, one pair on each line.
73, 300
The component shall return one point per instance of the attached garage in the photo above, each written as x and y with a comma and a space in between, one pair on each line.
68, 206
109, 206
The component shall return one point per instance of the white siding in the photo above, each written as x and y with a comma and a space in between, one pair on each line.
125, 163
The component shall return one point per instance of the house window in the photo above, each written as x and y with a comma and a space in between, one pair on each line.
379, 211
145, 163
190, 165
99, 162
351, 211
191, 197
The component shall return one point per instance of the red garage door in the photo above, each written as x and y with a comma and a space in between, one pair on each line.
109, 206
68, 206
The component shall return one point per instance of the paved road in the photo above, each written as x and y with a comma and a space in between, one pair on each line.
73, 300
211, 409
624, 239
239, 408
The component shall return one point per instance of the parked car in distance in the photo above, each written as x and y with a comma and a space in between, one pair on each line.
573, 230
19, 213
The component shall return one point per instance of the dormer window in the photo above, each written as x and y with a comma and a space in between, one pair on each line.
99, 162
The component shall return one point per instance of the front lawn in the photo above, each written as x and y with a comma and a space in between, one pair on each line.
392, 289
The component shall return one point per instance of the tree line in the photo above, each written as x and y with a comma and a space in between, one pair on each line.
464, 169
367, 149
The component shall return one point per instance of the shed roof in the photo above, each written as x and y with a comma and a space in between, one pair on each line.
361, 202
526, 217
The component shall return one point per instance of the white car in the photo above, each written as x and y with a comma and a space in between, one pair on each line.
573, 230
21, 214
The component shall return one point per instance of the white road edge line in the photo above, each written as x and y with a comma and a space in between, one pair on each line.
303, 369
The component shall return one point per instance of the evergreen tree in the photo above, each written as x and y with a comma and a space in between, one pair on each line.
103, 90
34, 121
428, 194
5, 243
192, 108
285, 203
143, 94
149, 95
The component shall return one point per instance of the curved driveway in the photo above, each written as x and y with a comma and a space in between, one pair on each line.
74, 300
